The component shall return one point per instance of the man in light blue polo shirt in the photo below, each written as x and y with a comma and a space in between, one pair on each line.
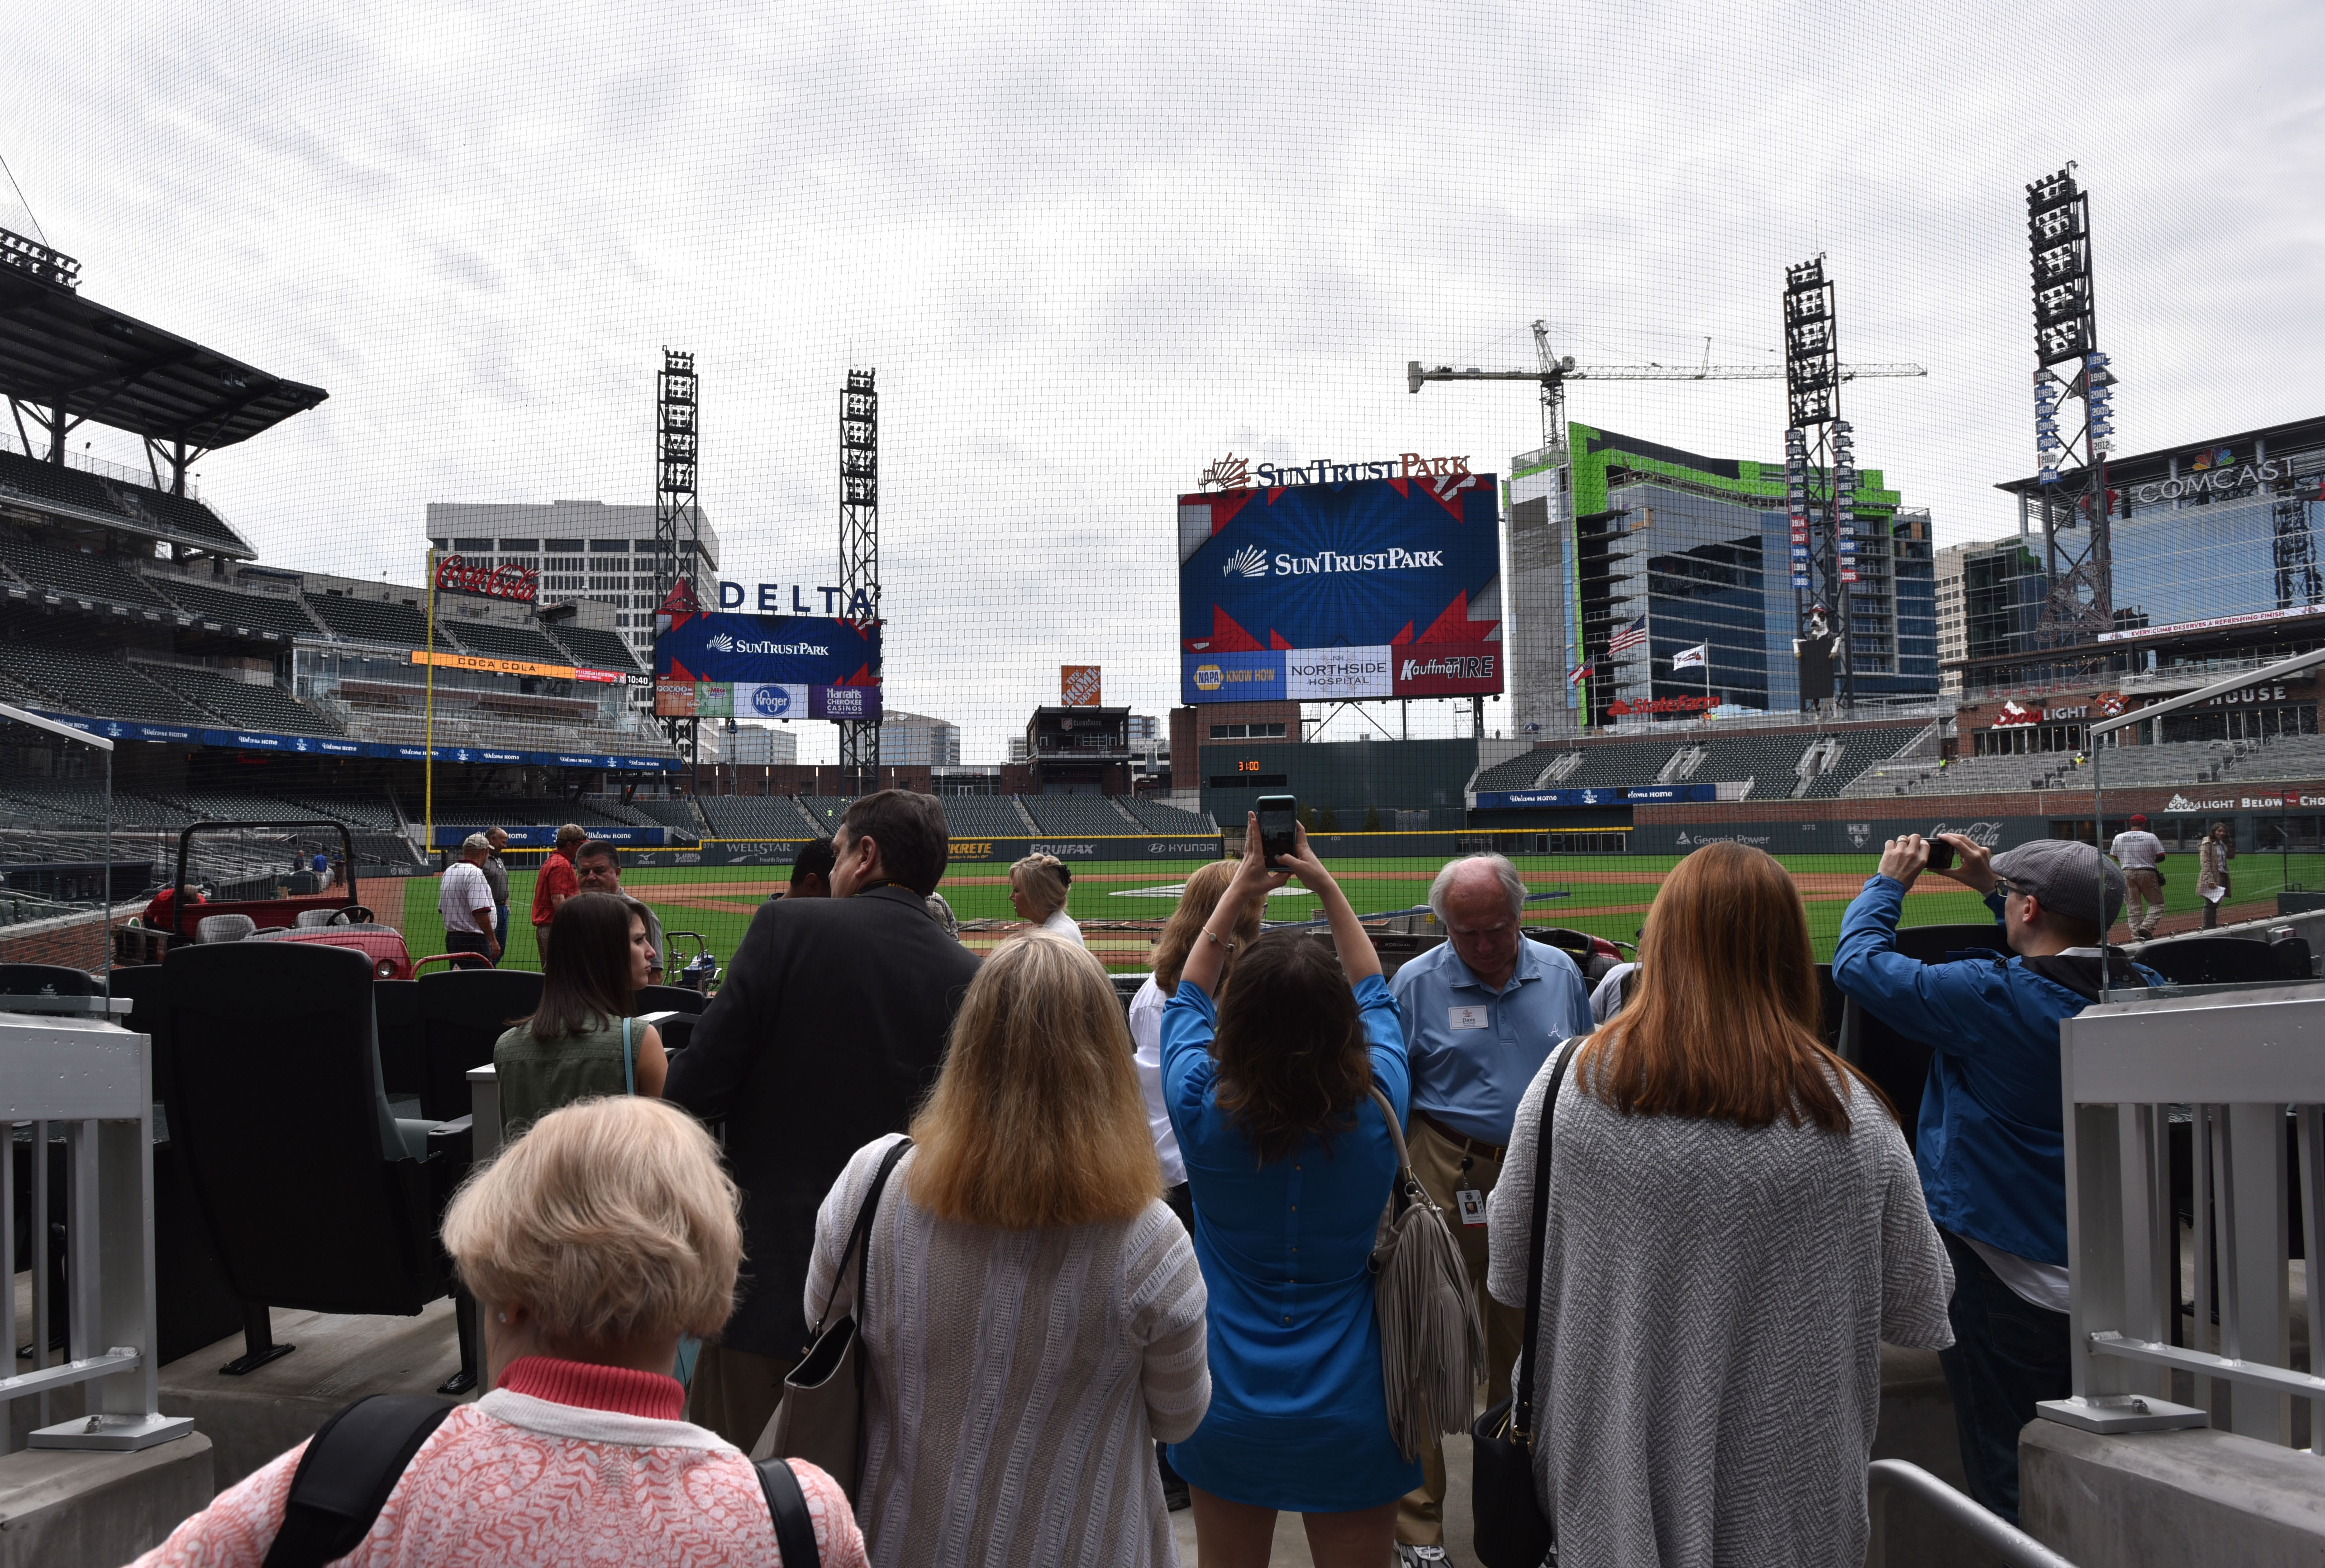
1481, 1011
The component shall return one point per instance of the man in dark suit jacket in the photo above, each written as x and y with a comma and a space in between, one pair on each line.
831, 1024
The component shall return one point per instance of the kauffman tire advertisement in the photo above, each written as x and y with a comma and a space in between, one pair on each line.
1364, 588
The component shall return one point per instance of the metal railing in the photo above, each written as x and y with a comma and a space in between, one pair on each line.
2230, 1061
1994, 1534
62, 1063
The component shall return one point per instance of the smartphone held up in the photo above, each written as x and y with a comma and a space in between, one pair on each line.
1279, 823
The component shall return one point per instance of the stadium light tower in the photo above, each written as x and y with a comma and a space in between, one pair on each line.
1819, 467
2078, 546
678, 511
860, 552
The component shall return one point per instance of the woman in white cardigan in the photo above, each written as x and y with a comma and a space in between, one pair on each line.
1734, 1227
1036, 1315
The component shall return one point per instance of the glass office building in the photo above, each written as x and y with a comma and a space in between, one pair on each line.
2213, 546
1610, 528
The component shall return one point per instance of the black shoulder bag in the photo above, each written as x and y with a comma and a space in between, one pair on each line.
354, 1462
1512, 1531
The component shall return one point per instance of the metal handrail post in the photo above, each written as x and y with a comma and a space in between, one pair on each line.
1997, 1535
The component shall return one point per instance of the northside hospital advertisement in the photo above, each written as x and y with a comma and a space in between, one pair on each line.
1372, 588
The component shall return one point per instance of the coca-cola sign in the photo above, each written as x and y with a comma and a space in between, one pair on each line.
513, 582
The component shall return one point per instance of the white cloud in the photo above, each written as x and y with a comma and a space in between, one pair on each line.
1089, 254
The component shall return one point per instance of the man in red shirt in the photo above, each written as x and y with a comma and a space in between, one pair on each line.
161, 913
555, 882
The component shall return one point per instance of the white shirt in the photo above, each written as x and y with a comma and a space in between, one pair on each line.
1146, 1034
1607, 999
464, 892
2137, 849
1062, 925
2042, 1285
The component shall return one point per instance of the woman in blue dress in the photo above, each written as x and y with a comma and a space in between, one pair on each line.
1290, 1163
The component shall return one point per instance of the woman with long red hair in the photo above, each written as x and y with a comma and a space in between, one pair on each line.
1733, 1227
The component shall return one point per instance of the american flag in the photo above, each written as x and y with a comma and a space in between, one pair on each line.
1626, 638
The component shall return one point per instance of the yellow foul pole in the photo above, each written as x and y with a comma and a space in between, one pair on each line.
428, 723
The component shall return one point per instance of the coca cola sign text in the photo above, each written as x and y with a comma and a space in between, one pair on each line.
515, 582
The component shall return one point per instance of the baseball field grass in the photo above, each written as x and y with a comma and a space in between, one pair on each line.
1120, 904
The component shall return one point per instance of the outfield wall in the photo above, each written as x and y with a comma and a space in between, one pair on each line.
965, 851
1998, 820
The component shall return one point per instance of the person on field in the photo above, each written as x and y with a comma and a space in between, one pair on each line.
591, 1245
1036, 1315
2140, 853
495, 870
1481, 1011
597, 866
829, 1029
1991, 1144
465, 900
2212, 857
1289, 1158
554, 882
1733, 1230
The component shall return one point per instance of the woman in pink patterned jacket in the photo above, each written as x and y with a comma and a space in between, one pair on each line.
591, 1245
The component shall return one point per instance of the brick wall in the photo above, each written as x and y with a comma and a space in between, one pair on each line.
76, 941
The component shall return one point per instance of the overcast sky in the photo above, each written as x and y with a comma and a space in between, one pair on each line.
1088, 256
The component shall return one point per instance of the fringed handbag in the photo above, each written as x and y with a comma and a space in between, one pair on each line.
1431, 1345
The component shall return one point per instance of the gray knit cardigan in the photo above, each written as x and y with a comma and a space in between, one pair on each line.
1707, 1378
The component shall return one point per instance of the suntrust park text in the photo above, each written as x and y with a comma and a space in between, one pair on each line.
1322, 471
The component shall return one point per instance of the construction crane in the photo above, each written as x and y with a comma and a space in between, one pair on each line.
1556, 370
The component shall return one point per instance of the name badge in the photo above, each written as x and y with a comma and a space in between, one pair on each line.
1465, 1017
1472, 1205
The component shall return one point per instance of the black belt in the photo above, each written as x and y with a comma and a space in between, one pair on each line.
1477, 1148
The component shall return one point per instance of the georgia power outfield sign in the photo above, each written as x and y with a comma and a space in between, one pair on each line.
1358, 588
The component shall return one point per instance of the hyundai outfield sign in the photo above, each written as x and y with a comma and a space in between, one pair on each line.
1370, 580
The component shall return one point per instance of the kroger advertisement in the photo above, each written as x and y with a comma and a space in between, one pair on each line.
721, 665
1372, 588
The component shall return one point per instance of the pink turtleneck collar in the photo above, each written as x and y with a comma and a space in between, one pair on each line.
591, 1387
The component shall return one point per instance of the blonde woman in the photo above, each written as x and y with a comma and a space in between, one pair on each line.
590, 1244
1037, 892
1036, 1315
1180, 933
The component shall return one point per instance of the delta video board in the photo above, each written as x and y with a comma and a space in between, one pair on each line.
1369, 587
721, 665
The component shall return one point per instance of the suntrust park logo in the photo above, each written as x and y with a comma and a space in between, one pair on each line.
1251, 561
721, 642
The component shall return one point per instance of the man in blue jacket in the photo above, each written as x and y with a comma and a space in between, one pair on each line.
1991, 1140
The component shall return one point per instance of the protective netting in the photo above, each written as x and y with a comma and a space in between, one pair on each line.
1046, 412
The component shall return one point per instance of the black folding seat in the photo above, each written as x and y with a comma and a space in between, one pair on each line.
314, 1196
1898, 1063
462, 1014
47, 980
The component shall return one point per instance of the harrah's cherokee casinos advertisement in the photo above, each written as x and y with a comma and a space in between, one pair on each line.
1373, 588
720, 665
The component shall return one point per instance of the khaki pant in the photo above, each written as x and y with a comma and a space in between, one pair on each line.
735, 1393
1438, 1160
2142, 901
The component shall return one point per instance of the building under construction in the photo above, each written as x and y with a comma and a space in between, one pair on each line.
1625, 553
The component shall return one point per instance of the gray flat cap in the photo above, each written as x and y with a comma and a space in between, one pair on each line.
2067, 875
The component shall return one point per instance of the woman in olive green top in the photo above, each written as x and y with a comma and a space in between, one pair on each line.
582, 1040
